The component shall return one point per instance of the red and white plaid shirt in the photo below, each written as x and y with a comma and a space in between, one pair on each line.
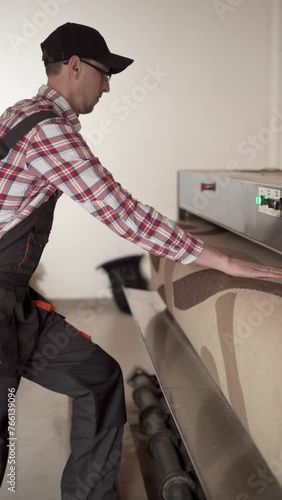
54, 156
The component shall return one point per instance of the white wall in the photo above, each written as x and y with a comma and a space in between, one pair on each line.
213, 94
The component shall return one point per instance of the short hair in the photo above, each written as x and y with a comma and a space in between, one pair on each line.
52, 69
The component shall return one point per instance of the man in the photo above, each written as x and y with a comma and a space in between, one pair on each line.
35, 341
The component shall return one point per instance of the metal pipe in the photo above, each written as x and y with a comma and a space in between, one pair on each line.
176, 483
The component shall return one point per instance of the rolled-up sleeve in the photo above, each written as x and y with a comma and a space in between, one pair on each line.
60, 155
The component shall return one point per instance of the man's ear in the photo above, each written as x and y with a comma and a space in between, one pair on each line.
74, 66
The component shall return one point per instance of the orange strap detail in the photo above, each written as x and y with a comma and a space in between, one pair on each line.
88, 337
48, 307
85, 335
43, 305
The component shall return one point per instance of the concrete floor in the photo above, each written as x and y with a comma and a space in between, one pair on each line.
43, 417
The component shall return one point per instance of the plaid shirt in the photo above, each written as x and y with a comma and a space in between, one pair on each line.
54, 156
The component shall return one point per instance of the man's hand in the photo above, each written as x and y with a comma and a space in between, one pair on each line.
235, 267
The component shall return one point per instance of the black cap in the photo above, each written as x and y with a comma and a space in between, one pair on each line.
75, 39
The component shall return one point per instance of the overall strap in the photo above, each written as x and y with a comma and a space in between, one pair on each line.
10, 139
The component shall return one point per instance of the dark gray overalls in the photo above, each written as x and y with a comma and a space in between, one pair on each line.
38, 344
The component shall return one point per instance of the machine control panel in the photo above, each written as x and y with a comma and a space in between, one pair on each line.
269, 201
247, 203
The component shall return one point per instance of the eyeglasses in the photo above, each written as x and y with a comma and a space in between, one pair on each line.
107, 74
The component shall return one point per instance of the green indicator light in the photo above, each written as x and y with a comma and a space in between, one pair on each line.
266, 197
258, 200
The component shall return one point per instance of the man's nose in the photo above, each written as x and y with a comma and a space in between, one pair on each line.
106, 86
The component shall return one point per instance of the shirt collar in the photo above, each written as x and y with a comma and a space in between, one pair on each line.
60, 104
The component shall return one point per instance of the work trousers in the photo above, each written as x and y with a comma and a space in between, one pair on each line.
38, 344
65, 360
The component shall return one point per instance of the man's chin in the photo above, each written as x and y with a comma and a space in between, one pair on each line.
88, 109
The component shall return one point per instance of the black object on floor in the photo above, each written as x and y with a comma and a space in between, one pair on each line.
124, 272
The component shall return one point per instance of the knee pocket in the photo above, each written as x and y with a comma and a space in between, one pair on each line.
98, 367
101, 375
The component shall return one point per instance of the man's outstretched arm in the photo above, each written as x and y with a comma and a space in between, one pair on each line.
73, 169
235, 267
